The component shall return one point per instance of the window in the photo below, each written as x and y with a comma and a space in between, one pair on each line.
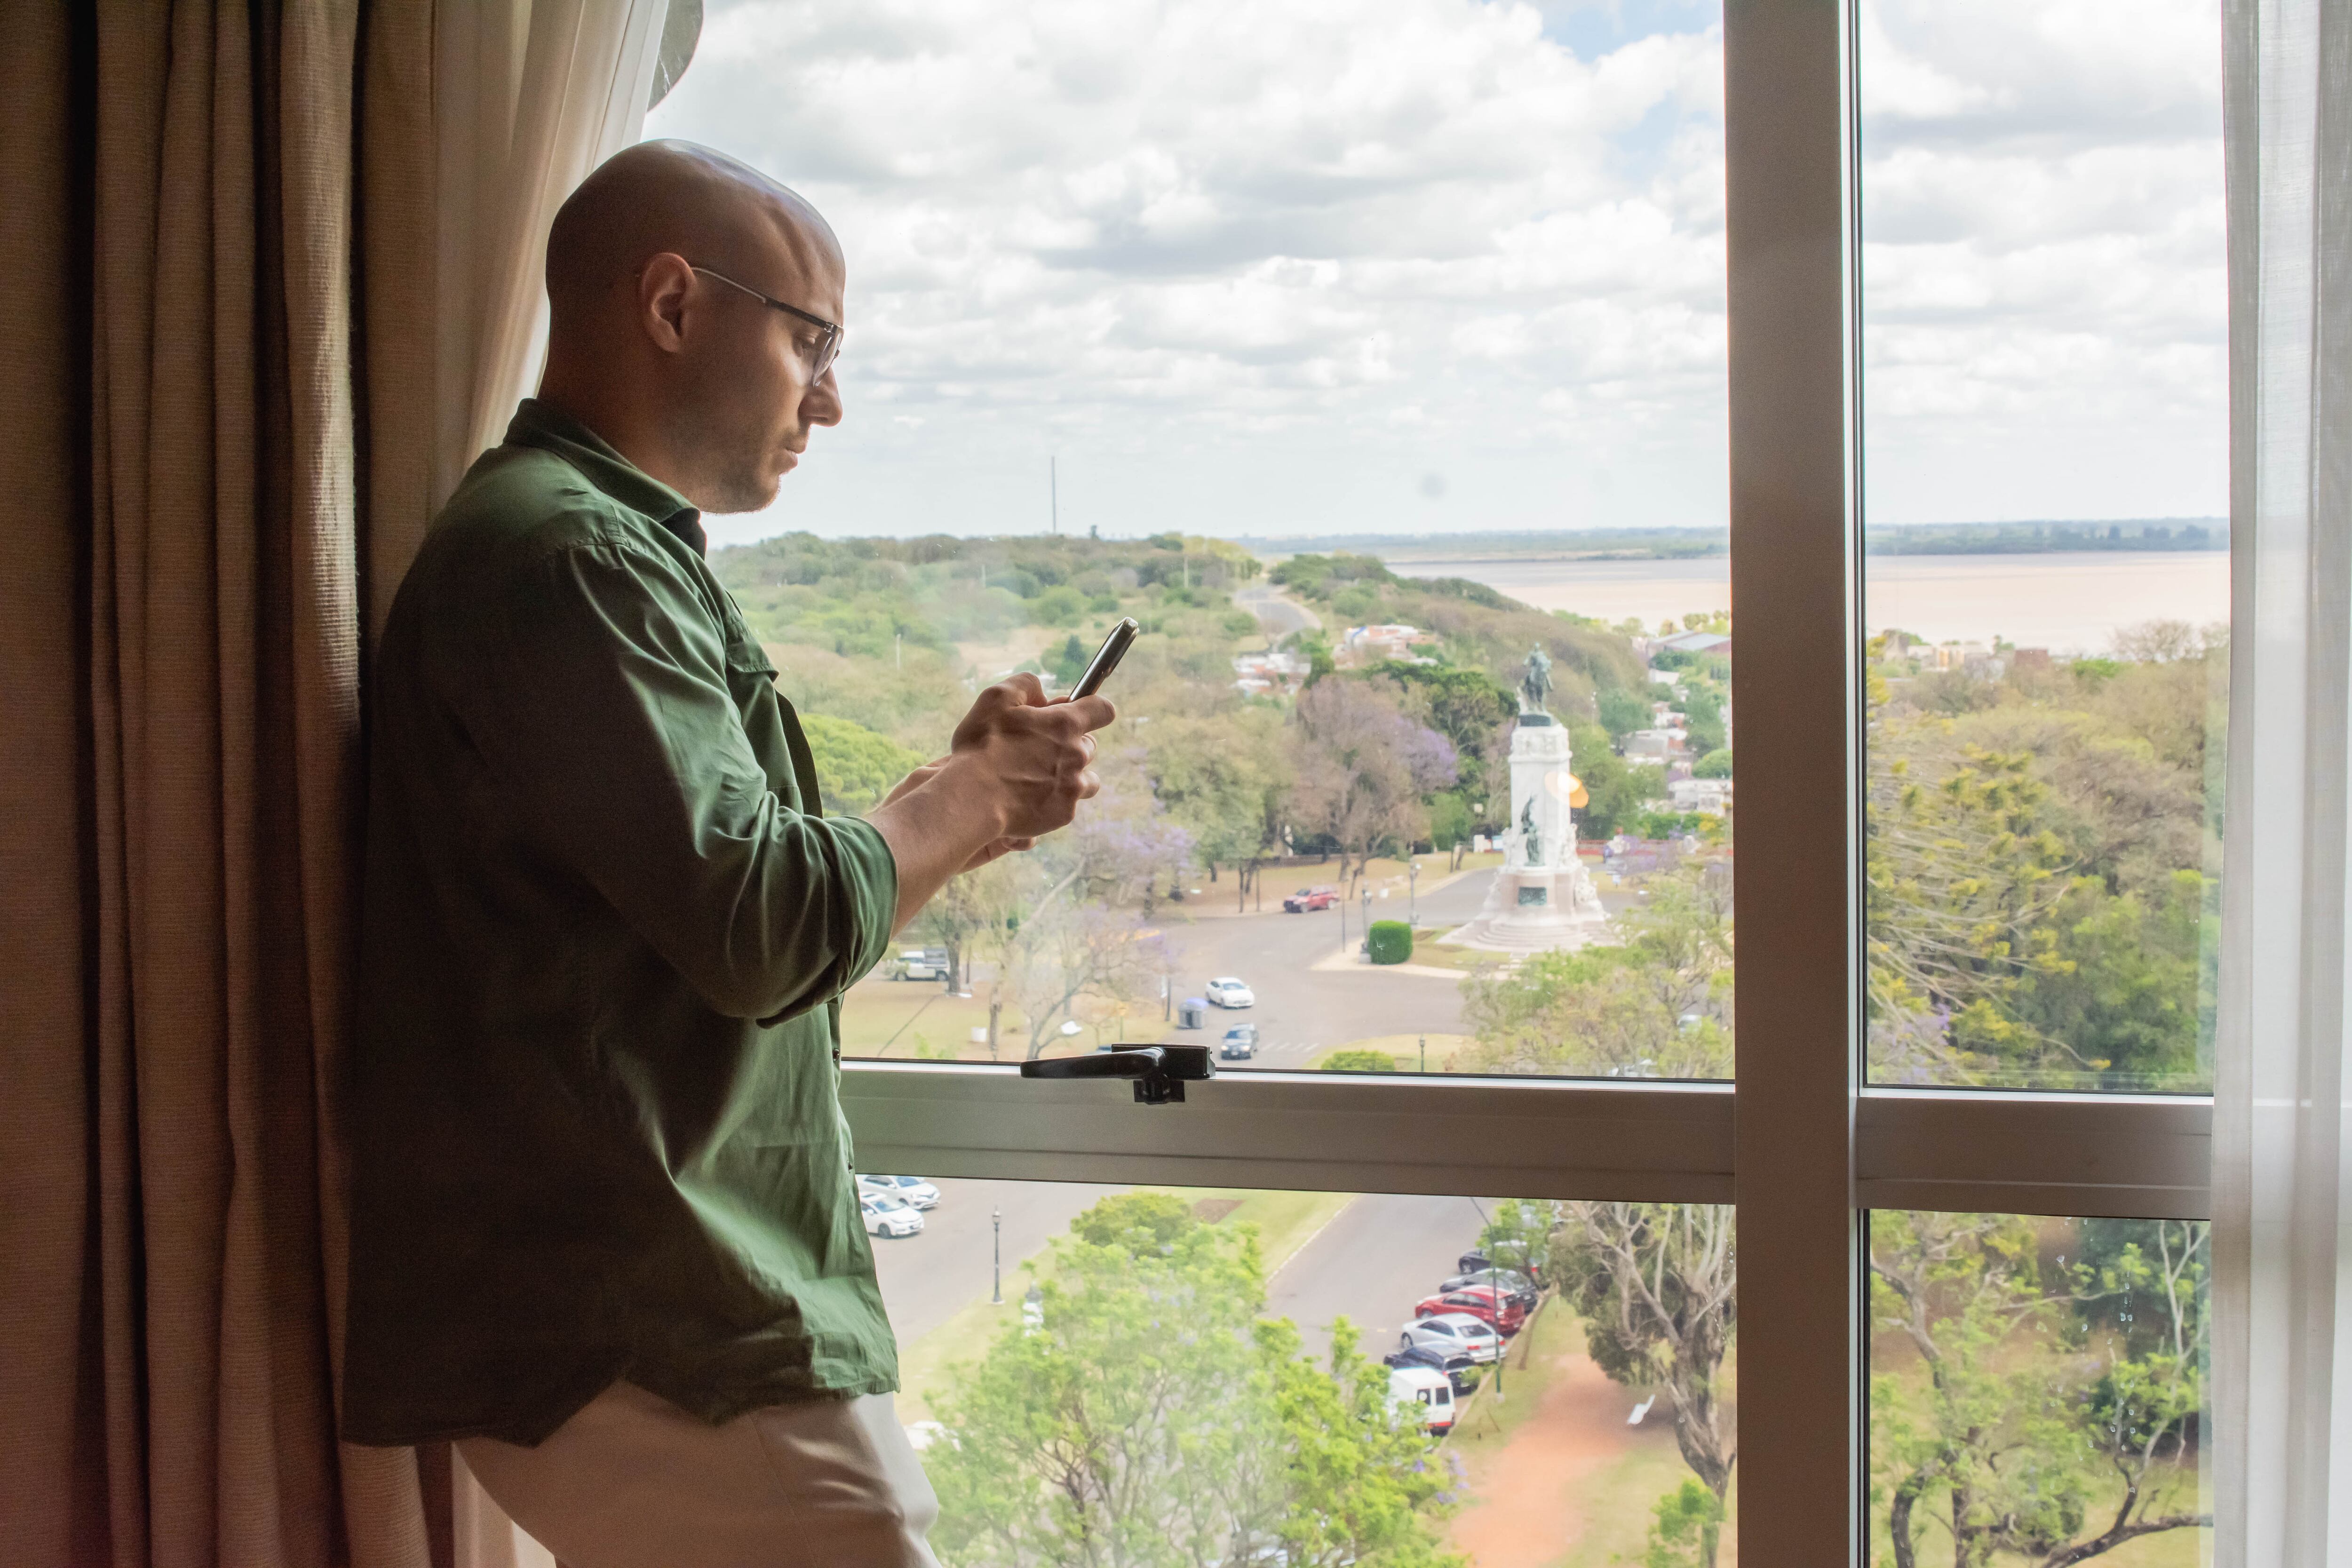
2046, 598
1246, 324
1235, 1375
1693, 275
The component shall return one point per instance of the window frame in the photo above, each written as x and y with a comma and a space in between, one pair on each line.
1799, 1142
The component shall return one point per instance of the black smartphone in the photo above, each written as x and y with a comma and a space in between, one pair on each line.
1106, 659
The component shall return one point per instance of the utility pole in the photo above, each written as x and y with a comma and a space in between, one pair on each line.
996, 1272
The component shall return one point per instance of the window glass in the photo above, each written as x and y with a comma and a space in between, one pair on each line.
2046, 571
1371, 359
1199, 1376
2037, 1390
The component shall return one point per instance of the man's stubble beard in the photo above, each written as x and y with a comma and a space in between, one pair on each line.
733, 457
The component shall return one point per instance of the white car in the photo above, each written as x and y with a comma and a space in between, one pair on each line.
1427, 1388
890, 1217
1228, 992
913, 1189
1452, 1331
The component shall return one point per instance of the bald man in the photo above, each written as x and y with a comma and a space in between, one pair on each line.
605, 1229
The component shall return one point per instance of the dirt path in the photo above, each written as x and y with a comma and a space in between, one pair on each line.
1526, 1515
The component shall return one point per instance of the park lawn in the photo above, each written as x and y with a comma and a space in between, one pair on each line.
1429, 948
1405, 1049
1285, 1222
924, 1019
1483, 1427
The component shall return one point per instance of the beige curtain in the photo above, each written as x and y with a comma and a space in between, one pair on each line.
224, 418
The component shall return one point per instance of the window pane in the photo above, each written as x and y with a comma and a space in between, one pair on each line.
2047, 572
1335, 347
1245, 1330
2037, 1390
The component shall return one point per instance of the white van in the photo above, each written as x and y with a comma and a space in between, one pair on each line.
1428, 1387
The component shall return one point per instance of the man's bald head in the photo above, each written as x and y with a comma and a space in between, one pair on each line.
675, 196
657, 269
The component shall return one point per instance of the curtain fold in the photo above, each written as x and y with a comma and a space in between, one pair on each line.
228, 391
2281, 1454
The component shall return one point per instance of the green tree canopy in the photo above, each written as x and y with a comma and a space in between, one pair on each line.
855, 767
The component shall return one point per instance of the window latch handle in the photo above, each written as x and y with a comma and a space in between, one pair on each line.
1160, 1072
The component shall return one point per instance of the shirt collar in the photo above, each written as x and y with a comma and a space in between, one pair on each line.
540, 424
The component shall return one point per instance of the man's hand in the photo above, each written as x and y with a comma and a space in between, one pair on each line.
1016, 769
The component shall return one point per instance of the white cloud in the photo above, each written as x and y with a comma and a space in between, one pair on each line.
1259, 266
2045, 299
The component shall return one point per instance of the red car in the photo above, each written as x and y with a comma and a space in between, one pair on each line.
1306, 898
1478, 1300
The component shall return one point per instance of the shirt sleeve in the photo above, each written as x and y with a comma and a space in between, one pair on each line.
598, 697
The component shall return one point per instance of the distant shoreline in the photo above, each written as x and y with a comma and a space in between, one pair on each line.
2104, 535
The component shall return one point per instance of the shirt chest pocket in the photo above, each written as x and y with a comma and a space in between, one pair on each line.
751, 681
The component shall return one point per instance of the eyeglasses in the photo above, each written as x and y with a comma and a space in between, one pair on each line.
828, 347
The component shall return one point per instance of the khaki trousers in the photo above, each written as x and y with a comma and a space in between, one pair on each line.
632, 1481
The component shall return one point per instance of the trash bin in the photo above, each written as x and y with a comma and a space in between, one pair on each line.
1192, 1013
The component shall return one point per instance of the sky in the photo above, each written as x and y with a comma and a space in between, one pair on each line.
1418, 267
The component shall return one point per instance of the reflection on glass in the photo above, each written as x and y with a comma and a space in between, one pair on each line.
2037, 1391
1357, 379
1183, 1377
2047, 570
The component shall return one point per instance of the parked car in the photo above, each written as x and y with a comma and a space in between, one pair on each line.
888, 1216
1478, 1263
921, 963
1479, 1301
1452, 1331
1227, 991
914, 1190
1430, 1389
1240, 1041
1517, 1287
1307, 898
1454, 1364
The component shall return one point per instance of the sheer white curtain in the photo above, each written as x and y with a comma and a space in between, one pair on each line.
528, 97
2282, 1449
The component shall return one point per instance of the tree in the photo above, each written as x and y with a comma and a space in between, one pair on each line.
1364, 768
1716, 764
1358, 1061
1688, 1528
855, 767
1155, 1421
1622, 712
1223, 777
1654, 1283
1655, 1005
1614, 789
2024, 1436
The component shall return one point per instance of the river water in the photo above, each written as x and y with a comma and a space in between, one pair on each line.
2068, 602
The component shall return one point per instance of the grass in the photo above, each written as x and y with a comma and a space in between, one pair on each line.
1285, 1221
1484, 1427
1383, 873
1404, 1049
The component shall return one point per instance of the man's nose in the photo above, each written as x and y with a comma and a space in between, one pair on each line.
822, 403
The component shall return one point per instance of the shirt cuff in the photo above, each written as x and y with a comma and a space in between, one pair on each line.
873, 872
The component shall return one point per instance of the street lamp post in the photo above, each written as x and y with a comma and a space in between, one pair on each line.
996, 1272
1412, 893
1368, 920
1494, 1294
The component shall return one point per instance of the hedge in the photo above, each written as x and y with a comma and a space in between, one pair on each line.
1390, 941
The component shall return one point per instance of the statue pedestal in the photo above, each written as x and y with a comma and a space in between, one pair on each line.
1543, 899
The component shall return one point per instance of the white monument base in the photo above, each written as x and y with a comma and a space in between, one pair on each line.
1531, 909
1542, 899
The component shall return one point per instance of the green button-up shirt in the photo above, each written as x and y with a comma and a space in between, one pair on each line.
596, 1126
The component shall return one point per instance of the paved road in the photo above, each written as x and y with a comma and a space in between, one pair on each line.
1280, 616
928, 1279
1301, 1010
1380, 1257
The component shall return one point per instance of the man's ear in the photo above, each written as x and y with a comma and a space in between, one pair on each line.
665, 287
